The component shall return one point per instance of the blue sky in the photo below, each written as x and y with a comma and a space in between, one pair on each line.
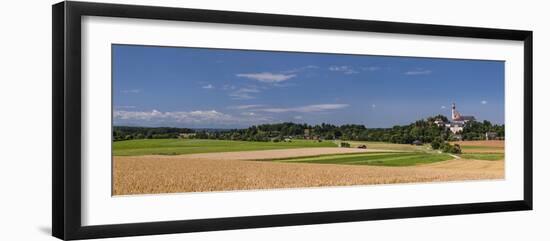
217, 88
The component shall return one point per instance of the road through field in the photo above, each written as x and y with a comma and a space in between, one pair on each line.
231, 171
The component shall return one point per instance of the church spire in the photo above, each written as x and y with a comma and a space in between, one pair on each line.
453, 111
454, 114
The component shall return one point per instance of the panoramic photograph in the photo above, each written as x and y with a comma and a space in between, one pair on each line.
188, 119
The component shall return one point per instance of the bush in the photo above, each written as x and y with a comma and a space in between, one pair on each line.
344, 144
437, 143
455, 149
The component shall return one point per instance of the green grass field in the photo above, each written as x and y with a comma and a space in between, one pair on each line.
376, 159
483, 156
466, 147
390, 146
408, 155
189, 146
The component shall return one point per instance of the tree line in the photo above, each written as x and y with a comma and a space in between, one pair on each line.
121, 133
424, 130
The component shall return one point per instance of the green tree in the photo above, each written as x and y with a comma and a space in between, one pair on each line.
437, 143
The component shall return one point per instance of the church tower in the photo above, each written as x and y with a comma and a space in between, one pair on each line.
458, 121
454, 114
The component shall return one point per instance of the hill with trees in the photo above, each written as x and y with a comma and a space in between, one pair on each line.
424, 130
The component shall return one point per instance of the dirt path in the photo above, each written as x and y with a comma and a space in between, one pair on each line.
271, 154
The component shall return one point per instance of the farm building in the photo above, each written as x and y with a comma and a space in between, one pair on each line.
417, 143
491, 136
457, 122
308, 135
187, 135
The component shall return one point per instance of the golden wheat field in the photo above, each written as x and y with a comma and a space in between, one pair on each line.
224, 172
493, 146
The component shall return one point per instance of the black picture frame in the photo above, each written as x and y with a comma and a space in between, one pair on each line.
66, 158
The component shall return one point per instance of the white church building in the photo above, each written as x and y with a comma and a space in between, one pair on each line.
457, 122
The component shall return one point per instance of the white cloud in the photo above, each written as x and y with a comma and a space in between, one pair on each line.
344, 69
300, 69
132, 91
337, 68
373, 106
484, 102
248, 113
241, 96
244, 93
299, 109
418, 72
191, 118
276, 78
125, 107
443, 107
306, 109
298, 117
177, 116
371, 68
244, 107
208, 86
267, 77
228, 87
283, 85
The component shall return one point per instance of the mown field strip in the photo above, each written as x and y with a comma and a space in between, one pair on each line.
483, 156
322, 157
390, 146
377, 159
192, 146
